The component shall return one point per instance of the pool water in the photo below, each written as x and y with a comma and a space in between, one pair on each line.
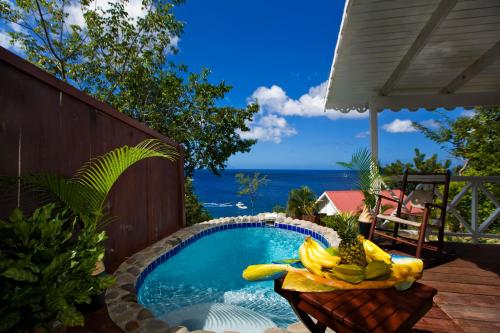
205, 277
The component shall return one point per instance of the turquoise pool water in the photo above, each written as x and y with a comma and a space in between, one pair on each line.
201, 287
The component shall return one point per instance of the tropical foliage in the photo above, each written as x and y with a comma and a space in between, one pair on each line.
195, 212
125, 61
279, 209
47, 259
301, 201
86, 192
249, 186
473, 139
369, 180
420, 164
46, 262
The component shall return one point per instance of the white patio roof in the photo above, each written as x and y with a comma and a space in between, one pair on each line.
416, 54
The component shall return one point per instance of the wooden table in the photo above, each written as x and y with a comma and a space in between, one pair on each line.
373, 310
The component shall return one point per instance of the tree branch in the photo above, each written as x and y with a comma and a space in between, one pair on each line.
47, 36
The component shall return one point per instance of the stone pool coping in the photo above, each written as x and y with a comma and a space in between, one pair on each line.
121, 298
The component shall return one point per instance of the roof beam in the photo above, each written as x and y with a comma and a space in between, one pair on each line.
433, 101
475, 68
443, 9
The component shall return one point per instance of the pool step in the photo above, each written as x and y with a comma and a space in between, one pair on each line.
270, 224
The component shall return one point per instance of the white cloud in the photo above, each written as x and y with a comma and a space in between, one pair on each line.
399, 126
468, 113
268, 128
6, 42
75, 15
362, 135
134, 8
430, 123
275, 100
270, 124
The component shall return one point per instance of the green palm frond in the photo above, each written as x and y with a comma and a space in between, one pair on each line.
55, 188
99, 174
301, 201
86, 192
369, 178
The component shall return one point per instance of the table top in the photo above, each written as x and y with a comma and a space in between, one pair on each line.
365, 310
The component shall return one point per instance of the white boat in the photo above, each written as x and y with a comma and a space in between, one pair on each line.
241, 205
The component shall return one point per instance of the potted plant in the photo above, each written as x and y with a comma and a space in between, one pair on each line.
369, 182
46, 261
302, 204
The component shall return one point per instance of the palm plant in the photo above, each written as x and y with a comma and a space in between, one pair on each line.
85, 193
301, 201
369, 177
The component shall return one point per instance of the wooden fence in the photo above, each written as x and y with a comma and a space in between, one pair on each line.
48, 125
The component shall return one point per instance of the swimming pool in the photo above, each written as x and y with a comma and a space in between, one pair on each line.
201, 286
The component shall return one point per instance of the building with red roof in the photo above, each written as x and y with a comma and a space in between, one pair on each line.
334, 202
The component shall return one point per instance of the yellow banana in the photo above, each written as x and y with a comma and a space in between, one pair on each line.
320, 256
304, 256
375, 253
264, 272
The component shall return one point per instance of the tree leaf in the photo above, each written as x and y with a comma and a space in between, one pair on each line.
9, 320
19, 274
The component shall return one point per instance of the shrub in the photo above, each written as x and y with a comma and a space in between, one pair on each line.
46, 265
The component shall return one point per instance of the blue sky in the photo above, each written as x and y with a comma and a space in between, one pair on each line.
288, 44
280, 52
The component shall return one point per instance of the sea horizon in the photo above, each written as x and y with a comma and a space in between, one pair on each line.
218, 194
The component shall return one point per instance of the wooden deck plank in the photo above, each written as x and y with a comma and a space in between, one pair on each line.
474, 326
462, 271
444, 297
468, 287
463, 288
480, 313
469, 279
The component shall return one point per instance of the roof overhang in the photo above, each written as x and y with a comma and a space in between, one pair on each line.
416, 54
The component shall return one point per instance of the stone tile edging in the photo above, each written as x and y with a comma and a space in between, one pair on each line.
121, 298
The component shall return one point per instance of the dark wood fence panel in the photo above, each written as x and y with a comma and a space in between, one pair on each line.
47, 125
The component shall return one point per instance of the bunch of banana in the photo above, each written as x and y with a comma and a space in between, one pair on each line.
315, 258
375, 253
323, 271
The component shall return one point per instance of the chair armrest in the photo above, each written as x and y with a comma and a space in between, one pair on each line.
433, 205
388, 198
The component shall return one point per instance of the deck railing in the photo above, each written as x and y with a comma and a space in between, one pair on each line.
473, 226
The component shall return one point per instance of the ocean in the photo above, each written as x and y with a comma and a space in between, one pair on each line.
219, 193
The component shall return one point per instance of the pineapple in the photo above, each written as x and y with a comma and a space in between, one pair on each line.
351, 249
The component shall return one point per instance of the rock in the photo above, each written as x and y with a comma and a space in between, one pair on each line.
154, 326
144, 314
131, 326
298, 327
178, 329
275, 330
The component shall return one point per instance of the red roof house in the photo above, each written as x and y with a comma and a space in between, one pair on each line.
334, 202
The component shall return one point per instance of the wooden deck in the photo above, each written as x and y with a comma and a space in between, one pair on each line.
468, 298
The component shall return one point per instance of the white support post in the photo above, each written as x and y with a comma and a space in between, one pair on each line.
374, 132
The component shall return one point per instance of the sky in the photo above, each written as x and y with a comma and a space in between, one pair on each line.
280, 53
